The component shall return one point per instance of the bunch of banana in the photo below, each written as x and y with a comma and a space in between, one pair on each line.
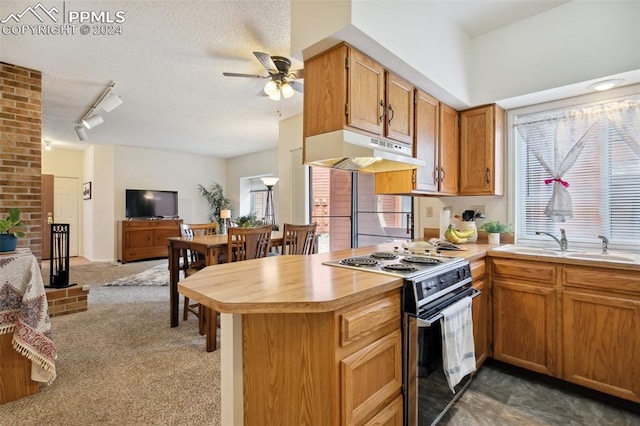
456, 236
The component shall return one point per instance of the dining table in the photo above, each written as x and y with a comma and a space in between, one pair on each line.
211, 247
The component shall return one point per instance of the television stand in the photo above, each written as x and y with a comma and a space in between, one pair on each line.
140, 239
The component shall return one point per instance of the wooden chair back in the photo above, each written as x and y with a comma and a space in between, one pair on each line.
298, 239
248, 243
204, 228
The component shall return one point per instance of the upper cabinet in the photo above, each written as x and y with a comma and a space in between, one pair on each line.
436, 143
346, 89
481, 148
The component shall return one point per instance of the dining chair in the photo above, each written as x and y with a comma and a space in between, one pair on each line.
298, 239
248, 243
204, 228
192, 262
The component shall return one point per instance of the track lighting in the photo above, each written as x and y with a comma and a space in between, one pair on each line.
81, 132
93, 121
108, 101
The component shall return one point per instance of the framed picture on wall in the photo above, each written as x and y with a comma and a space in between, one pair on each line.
86, 191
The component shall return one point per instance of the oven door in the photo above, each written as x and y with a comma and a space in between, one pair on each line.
428, 393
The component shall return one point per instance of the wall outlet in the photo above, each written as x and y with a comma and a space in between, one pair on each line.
429, 211
480, 209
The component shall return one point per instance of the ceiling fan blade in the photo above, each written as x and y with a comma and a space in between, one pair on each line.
267, 62
296, 74
235, 74
297, 86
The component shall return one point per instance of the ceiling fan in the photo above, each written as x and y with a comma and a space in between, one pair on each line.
281, 81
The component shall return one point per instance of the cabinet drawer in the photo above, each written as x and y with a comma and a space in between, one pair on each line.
370, 378
541, 273
367, 319
477, 269
601, 279
391, 415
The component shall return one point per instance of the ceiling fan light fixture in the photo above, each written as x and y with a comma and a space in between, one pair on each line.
93, 121
275, 96
287, 90
271, 88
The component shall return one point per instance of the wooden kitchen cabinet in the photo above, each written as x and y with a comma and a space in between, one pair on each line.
601, 330
525, 310
481, 151
354, 355
435, 143
344, 88
145, 239
481, 312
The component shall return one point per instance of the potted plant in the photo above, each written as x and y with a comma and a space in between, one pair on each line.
8, 232
494, 228
214, 196
248, 221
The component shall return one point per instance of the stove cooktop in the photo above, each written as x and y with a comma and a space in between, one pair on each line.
399, 264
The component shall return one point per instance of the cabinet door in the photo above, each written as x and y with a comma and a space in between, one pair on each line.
138, 238
480, 312
391, 415
399, 118
524, 321
371, 377
366, 106
449, 150
601, 343
426, 141
480, 162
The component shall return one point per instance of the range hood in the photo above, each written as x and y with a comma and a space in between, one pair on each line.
348, 150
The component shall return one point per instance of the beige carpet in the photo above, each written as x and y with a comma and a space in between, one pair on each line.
120, 363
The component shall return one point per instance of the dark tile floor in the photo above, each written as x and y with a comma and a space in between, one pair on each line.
500, 396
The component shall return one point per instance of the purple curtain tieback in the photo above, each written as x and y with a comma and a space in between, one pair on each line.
564, 183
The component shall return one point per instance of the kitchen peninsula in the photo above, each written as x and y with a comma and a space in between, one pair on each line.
314, 343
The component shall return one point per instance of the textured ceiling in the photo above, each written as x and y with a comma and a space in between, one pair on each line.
167, 65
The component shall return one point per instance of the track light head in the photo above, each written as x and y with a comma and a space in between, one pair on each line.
111, 102
93, 121
80, 132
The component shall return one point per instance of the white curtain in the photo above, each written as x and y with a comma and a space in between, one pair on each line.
625, 118
570, 131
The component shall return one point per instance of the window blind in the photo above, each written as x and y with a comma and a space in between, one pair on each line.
604, 183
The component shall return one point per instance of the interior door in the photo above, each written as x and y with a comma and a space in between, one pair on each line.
66, 202
47, 214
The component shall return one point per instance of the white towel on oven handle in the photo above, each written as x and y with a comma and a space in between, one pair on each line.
458, 353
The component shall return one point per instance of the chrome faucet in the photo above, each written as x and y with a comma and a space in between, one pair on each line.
605, 244
564, 244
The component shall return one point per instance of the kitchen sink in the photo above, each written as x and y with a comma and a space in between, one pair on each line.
522, 249
609, 257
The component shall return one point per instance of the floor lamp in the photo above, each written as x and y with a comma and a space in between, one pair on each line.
269, 214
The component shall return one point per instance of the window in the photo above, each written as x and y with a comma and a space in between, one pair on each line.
257, 198
350, 214
603, 183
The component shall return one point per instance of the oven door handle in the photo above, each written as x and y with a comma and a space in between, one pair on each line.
437, 317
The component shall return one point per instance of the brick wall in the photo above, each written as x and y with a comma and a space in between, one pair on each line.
20, 149
65, 301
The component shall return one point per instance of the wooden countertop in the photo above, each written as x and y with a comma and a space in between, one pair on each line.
289, 284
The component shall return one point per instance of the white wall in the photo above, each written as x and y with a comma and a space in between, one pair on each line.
576, 42
263, 163
139, 168
291, 202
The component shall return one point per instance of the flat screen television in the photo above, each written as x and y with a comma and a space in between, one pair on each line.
144, 203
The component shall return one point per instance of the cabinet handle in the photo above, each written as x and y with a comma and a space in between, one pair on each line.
442, 174
393, 114
382, 111
409, 225
488, 175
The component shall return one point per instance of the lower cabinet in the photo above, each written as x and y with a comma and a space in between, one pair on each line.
601, 331
481, 311
525, 314
145, 239
577, 323
333, 368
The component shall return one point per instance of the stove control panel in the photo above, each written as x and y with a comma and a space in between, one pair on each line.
422, 289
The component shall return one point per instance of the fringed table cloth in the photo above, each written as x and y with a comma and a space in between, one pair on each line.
23, 311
